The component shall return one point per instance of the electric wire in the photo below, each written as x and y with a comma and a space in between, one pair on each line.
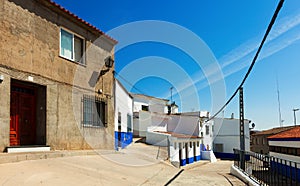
133, 86
279, 6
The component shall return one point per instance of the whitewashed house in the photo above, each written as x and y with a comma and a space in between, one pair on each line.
147, 112
149, 103
189, 139
123, 116
227, 137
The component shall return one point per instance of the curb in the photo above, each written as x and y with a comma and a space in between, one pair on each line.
239, 174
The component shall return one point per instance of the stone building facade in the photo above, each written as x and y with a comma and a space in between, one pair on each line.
56, 74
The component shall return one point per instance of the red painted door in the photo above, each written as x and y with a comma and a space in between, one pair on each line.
14, 120
22, 116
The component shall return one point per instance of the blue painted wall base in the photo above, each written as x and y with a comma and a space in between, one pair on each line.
224, 156
123, 139
197, 158
183, 162
190, 160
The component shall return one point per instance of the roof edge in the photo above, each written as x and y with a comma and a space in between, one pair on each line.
61, 8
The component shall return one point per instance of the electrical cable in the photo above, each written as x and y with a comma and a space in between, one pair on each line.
279, 6
133, 86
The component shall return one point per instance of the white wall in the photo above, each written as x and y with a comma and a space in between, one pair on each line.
184, 124
207, 137
153, 120
136, 126
295, 144
123, 104
158, 139
138, 105
227, 132
286, 157
155, 105
174, 110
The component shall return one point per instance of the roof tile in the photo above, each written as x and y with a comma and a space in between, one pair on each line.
273, 131
291, 133
81, 20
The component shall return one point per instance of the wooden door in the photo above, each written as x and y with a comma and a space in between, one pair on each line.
14, 120
22, 118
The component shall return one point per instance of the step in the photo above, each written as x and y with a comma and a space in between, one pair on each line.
20, 149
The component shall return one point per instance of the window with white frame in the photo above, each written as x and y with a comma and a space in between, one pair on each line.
71, 46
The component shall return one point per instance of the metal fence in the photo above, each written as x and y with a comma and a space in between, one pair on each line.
268, 170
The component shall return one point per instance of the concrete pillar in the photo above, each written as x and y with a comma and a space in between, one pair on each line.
182, 154
197, 151
174, 154
189, 152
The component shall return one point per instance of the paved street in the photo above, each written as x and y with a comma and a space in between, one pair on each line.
95, 170
139, 164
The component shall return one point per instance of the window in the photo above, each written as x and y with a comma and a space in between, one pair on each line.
207, 129
71, 46
219, 147
129, 124
145, 108
94, 112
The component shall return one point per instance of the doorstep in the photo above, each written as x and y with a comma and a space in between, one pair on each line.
23, 156
24, 149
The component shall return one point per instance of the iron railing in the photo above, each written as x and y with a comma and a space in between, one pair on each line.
268, 170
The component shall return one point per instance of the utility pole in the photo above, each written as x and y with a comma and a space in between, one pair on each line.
278, 99
242, 129
295, 121
171, 94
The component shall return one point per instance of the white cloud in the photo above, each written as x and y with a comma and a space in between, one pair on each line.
285, 32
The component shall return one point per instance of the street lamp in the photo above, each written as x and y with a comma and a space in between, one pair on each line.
295, 109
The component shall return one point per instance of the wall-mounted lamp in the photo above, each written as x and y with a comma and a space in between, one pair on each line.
1, 78
109, 62
99, 91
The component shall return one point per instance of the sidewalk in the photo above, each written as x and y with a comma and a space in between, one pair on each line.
208, 174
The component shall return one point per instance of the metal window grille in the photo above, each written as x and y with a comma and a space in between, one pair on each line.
94, 111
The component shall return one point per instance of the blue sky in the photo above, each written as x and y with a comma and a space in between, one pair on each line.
232, 30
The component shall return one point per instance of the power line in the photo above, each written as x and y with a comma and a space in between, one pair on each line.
133, 86
279, 6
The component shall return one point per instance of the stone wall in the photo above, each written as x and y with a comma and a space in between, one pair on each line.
29, 41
